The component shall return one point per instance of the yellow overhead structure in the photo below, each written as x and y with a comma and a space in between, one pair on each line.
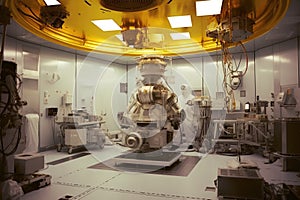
144, 25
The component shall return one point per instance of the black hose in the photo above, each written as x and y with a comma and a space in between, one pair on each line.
8, 100
14, 148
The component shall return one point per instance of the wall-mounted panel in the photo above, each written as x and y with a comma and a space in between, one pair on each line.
30, 56
31, 96
10, 49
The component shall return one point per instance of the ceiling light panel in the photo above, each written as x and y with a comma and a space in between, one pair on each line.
180, 36
80, 33
107, 25
208, 7
180, 21
52, 2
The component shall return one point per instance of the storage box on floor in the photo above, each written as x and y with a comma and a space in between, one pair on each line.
286, 142
240, 184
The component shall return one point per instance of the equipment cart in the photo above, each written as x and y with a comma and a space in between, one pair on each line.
75, 135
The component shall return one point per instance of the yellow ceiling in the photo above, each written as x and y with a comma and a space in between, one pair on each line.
79, 32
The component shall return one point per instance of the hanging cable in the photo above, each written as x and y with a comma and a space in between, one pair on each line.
232, 70
6, 104
4, 150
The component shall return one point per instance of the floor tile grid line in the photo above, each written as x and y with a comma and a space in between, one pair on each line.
92, 189
141, 193
70, 173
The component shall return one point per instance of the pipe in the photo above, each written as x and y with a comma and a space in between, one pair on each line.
2, 46
3, 38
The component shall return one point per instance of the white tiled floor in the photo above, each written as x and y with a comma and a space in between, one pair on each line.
74, 178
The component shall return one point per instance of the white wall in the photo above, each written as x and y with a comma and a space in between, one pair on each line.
178, 72
186, 71
265, 76
205, 73
10, 54
62, 64
29, 57
286, 58
209, 67
108, 98
264, 73
97, 85
89, 71
276, 71
271, 69
286, 63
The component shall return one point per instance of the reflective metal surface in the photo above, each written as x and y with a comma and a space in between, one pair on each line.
73, 28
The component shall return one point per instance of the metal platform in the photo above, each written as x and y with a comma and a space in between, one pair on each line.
160, 158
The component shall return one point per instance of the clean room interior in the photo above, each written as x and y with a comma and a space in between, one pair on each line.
137, 113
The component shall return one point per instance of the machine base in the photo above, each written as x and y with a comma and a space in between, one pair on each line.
33, 182
160, 158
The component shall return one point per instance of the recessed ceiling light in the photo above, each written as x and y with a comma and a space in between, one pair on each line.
208, 7
180, 21
180, 36
155, 37
107, 25
52, 2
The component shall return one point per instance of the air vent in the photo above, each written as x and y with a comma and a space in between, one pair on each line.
130, 5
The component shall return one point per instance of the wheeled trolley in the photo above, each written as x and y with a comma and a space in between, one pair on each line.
76, 136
